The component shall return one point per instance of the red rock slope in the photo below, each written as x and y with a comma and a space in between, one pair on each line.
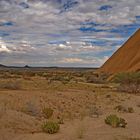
126, 58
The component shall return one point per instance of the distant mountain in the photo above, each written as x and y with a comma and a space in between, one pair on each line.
26, 66
2, 66
126, 58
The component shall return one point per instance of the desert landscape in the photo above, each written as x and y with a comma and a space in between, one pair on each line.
77, 100
69, 69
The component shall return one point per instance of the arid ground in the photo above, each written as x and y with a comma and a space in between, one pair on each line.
79, 106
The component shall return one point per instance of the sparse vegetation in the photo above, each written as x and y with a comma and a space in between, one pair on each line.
51, 127
115, 121
11, 85
47, 112
129, 82
80, 106
97, 78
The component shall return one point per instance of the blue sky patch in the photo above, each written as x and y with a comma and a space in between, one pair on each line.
8, 23
24, 5
105, 7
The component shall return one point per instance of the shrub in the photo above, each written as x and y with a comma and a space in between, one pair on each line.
47, 112
51, 127
115, 121
98, 78
11, 84
123, 109
65, 80
120, 108
129, 82
130, 110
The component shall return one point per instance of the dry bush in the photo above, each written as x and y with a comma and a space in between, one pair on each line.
11, 85
98, 78
123, 109
129, 82
5, 75
47, 112
63, 79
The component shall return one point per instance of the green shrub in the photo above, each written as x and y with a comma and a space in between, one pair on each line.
115, 121
47, 112
51, 127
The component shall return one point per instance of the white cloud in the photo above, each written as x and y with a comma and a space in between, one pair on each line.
71, 60
94, 61
42, 22
3, 47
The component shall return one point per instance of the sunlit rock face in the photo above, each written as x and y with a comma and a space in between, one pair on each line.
126, 58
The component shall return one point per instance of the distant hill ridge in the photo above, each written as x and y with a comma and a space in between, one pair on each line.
2, 66
126, 58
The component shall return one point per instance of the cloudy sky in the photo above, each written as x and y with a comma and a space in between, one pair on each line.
82, 33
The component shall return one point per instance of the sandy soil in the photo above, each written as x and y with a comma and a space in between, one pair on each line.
83, 107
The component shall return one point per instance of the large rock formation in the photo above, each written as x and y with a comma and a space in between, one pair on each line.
126, 58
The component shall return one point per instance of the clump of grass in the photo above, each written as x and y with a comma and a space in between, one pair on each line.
50, 127
47, 112
115, 121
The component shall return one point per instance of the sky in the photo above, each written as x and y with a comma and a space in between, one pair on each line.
66, 33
